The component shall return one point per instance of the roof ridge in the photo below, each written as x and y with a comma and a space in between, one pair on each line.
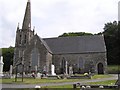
74, 36
76, 44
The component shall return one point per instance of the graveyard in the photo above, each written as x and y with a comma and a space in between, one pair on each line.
69, 80
61, 83
49, 80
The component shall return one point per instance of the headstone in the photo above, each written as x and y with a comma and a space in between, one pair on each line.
66, 68
35, 73
53, 70
24, 74
1, 66
38, 75
35, 69
10, 72
11, 68
70, 70
44, 69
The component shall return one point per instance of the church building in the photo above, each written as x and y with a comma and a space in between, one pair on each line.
80, 53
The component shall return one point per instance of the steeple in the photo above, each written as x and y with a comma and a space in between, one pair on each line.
24, 35
27, 17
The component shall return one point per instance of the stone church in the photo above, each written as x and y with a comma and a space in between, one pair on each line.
81, 53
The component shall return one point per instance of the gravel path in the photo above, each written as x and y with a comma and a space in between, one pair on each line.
54, 84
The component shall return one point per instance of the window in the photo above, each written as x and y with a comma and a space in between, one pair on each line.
25, 39
35, 58
81, 63
20, 39
63, 63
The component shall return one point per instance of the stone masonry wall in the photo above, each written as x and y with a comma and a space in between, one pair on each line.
45, 58
90, 61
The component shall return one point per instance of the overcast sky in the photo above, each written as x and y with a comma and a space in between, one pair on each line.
52, 18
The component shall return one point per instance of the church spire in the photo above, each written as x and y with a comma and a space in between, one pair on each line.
28, 0
27, 17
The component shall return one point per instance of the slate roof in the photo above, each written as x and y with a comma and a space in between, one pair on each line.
78, 44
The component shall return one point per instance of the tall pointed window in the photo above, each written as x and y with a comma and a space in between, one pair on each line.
63, 63
25, 39
20, 39
34, 58
81, 63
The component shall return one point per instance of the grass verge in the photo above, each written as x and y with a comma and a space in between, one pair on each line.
108, 82
38, 81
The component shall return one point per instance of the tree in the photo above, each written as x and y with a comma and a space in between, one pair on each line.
111, 36
75, 34
8, 54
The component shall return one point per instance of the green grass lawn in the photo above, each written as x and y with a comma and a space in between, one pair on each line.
108, 82
113, 69
101, 76
37, 81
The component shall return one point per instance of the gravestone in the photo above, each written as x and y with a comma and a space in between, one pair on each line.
70, 70
11, 67
35, 69
1, 66
44, 69
66, 68
38, 75
53, 70
10, 72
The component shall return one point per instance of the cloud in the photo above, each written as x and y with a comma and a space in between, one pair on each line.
54, 17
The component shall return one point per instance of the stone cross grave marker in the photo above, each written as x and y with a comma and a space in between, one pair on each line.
1, 66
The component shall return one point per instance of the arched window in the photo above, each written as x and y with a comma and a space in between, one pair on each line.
35, 59
64, 66
20, 39
25, 39
81, 63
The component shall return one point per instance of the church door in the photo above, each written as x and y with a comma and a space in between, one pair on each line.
100, 68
